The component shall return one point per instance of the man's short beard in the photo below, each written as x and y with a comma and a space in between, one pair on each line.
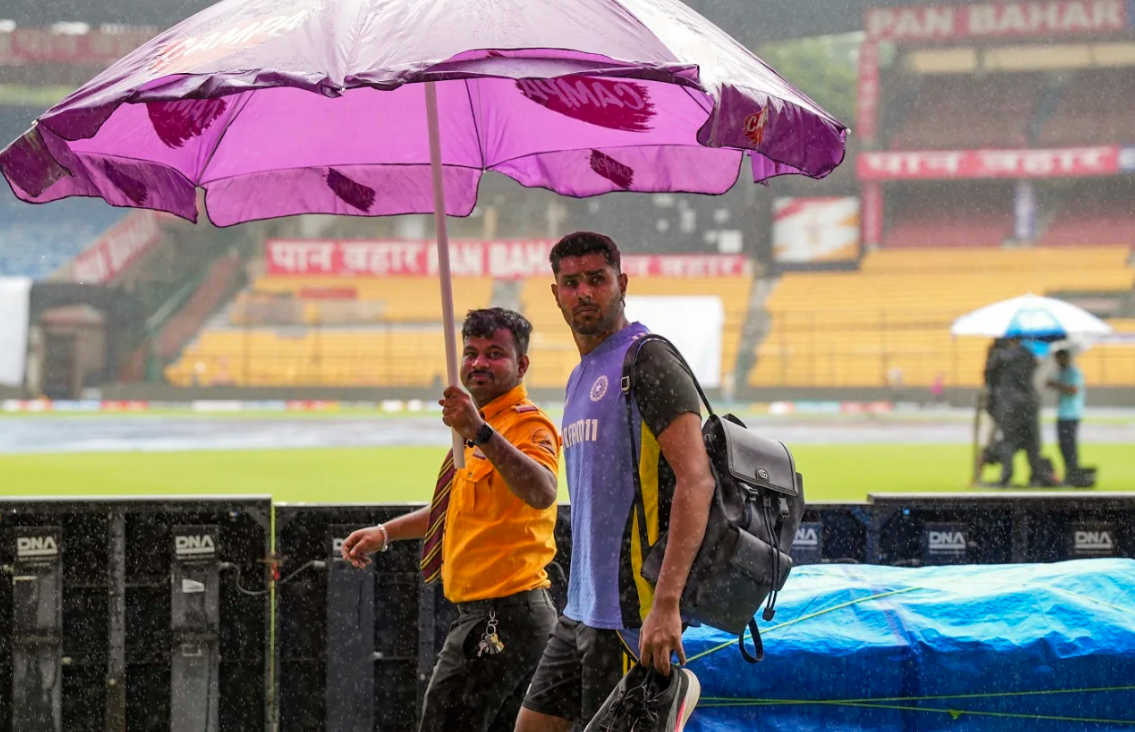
588, 330
601, 324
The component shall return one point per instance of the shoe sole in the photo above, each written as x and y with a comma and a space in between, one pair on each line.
689, 703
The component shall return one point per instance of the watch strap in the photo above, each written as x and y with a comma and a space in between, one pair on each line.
483, 435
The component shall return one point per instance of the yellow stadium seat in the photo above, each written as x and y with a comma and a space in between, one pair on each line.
891, 319
554, 353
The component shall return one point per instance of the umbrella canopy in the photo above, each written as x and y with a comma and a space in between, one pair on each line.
383, 107
274, 109
1031, 317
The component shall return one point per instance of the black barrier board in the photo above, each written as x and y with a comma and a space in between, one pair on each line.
321, 608
116, 607
36, 660
916, 530
315, 611
1078, 525
832, 533
1002, 527
31, 530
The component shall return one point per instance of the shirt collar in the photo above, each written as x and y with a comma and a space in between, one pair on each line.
505, 401
622, 337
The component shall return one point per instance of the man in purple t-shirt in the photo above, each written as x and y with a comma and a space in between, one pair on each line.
613, 615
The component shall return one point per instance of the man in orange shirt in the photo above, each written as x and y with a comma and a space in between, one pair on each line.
488, 533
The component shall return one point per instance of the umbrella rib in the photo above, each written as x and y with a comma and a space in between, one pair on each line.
699, 102
221, 137
476, 125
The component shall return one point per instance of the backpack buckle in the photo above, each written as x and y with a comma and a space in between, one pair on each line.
625, 384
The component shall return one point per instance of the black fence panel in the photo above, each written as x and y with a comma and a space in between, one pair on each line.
349, 640
996, 528
334, 674
114, 648
832, 533
918, 530
154, 614
1079, 526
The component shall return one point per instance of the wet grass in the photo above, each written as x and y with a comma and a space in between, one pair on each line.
392, 475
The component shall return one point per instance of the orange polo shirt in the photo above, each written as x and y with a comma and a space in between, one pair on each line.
495, 544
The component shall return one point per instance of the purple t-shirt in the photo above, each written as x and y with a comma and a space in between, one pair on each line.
605, 589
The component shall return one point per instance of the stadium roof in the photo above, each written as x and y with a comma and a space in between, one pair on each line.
751, 21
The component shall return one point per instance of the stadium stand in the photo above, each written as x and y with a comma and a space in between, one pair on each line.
36, 241
388, 300
863, 329
313, 357
204, 301
943, 115
552, 350
1110, 362
1093, 213
1098, 107
382, 332
927, 216
554, 353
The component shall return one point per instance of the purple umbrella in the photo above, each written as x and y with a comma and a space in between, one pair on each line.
382, 107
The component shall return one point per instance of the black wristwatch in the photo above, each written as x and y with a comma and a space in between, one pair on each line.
483, 435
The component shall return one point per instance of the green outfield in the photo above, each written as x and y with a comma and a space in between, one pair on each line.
405, 474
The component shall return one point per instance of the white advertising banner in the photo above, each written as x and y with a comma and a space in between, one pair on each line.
692, 323
15, 303
815, 230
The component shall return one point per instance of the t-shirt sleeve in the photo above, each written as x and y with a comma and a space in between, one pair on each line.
536, 437
664, 390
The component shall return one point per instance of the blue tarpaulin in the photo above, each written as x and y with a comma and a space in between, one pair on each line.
1037, 647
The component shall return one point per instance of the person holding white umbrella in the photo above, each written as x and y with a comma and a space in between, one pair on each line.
1016, 408
1014, 400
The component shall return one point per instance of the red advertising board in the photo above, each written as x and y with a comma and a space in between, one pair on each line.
117, 249
38, 46
1043, 18
947, 164
497, 259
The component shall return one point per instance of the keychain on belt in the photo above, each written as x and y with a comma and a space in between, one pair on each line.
490, 642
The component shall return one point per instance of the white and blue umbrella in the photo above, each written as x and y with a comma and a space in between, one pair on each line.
1031, 317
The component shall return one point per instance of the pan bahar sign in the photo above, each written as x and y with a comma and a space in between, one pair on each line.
997, 20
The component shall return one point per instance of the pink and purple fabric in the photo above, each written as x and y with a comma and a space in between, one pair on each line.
318, 106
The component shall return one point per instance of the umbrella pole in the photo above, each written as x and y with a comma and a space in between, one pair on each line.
448, 321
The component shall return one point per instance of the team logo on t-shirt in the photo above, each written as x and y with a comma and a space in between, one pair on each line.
599, 388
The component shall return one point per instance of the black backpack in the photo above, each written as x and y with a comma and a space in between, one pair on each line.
758, 501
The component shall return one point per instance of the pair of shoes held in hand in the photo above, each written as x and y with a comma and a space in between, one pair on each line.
647, 701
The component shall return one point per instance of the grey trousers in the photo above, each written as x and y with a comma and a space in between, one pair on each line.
483, 694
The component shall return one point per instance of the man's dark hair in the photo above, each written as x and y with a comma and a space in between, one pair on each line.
485, 324
582, 243
1064, 352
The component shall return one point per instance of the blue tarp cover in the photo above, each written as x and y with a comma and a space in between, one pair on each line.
1037, 647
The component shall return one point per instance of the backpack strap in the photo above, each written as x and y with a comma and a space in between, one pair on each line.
626, 385
758, 644
630, 366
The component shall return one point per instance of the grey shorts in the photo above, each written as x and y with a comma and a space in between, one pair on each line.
580, 668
